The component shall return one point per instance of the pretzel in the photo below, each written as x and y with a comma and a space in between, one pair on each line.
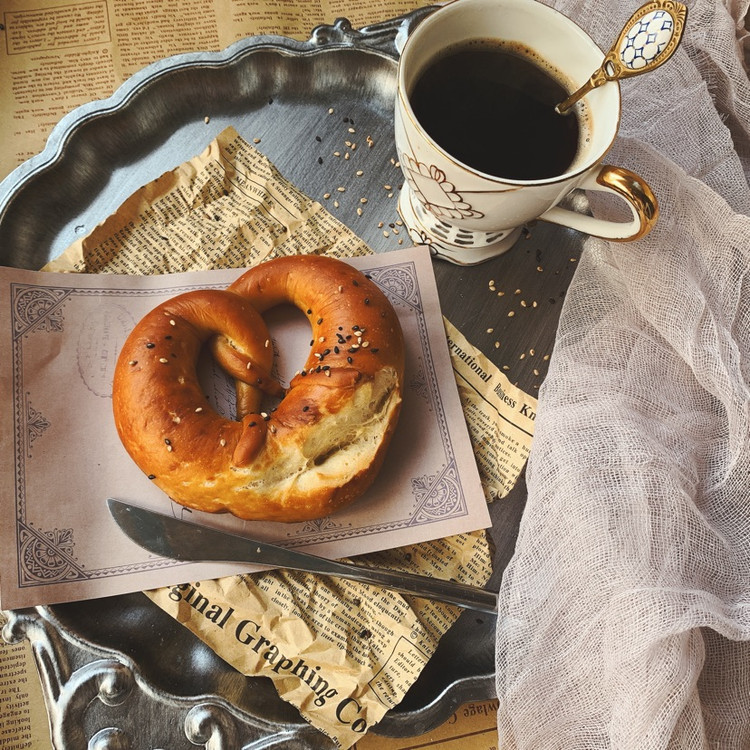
325, 441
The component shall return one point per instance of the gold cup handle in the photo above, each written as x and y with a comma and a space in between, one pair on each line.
625, 185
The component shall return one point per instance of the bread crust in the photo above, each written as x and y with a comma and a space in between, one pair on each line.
323, 444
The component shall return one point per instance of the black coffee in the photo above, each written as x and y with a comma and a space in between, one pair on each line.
494, 110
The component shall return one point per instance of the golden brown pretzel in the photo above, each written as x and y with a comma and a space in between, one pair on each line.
325, 441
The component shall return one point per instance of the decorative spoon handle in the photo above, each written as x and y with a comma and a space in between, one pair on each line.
648, 39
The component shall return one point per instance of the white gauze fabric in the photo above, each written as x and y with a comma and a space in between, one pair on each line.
625, 612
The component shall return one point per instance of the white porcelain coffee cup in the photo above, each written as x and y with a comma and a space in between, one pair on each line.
467, 216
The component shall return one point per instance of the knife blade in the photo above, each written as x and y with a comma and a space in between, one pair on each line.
174, 538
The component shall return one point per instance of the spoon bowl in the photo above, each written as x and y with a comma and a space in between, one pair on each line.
648, 40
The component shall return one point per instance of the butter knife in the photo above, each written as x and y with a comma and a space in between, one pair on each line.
171, 537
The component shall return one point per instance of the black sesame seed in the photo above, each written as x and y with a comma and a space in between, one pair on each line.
320, 160
335, 350
318, 139
320, 320
152, 476
168, 336
167, 441
309, 312
150, 345
355, 282
375, 350
349, 360
252, 424
367, 300
305, 407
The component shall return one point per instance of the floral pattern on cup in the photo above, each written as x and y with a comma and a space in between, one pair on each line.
434, 192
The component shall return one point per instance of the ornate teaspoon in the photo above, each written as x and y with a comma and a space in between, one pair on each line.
648, 39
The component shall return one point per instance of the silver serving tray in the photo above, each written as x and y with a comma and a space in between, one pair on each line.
157, 685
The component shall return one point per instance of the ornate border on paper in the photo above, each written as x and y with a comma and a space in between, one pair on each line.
47, 556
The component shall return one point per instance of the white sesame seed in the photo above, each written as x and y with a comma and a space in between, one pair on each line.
163, 360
